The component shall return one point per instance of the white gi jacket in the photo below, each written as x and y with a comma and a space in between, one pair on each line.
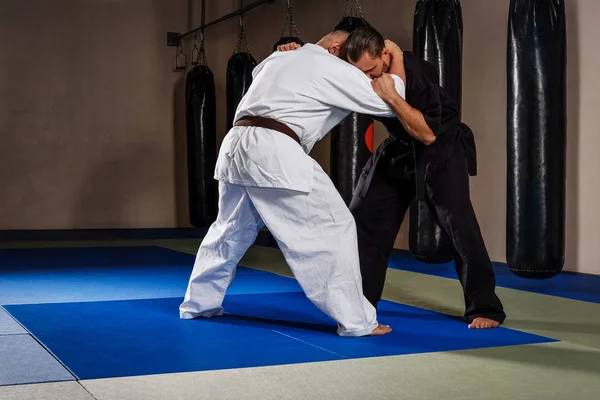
310, 91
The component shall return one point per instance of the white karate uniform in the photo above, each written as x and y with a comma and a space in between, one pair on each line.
266, 178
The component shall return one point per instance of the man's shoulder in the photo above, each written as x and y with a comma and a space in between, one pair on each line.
312, 55
416, 63
422, 72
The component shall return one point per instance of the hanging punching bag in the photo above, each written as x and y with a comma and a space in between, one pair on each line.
239, 78
437, 38
290, 25
352, 139
239, 75
536, 142
286, 40
201, 128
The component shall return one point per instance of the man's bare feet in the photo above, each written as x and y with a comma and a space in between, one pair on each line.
381, 330
483, 323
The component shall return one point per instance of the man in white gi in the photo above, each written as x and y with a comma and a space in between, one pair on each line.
266, 177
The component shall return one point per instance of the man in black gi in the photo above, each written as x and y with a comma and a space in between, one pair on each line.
429, 154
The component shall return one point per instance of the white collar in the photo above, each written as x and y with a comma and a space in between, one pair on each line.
315, 47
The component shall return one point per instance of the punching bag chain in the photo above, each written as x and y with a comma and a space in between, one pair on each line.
290, 24
356, 6
195, 50
242, 45
201, 60
180, 59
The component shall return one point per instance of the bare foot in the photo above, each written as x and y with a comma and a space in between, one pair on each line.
483, 323
381, 330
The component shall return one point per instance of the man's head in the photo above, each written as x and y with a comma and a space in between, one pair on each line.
333, 42
365, 49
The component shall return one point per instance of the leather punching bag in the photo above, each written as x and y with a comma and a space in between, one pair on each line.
290, 25
201, 128
239, 75
286, 40
536, 142
352, 139
437, 38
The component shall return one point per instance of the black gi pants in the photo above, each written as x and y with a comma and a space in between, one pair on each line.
379, 206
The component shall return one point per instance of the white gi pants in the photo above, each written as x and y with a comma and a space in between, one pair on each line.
317, 235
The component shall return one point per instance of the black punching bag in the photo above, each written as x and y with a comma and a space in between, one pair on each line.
290, 26
239, 78
352, 139
201, 116
239, 75
437, 38
536, 142
286, 40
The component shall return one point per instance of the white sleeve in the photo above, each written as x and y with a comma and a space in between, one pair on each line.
348, 88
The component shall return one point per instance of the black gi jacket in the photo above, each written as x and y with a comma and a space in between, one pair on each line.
407, 155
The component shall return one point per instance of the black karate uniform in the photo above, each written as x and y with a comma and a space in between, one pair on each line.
403, 167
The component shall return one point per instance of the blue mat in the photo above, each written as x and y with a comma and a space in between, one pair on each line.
264, 237
23, 360
568, 285
58, 258
100, 234
139, 337
53, 275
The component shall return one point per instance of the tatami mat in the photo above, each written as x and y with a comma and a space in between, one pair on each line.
53, 275
142, 337
531, 372
25, 361
45, 391
568, 369
566, 284
8, 326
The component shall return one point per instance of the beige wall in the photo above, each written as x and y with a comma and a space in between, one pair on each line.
484, 105
93, 134
86, 113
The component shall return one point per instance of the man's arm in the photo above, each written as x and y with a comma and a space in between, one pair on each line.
411, 119
346, 87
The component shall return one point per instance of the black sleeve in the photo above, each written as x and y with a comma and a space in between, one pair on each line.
426, 98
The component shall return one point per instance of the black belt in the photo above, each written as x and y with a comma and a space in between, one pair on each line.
419, 174
267, 123
462, 136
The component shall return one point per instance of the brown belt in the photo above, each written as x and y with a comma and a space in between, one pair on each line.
267, 123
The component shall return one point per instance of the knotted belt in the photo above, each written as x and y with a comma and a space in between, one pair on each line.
459, 134
267, 123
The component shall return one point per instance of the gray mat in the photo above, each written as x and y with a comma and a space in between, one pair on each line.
25, 361
45, 391
8, 326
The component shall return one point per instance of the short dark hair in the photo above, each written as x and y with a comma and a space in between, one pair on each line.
363, 39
